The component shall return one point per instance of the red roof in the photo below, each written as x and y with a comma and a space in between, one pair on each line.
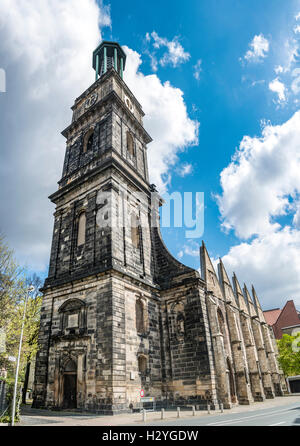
279, 319
271, 316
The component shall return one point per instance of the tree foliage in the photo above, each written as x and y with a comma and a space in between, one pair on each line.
11, 283
289, 354
13, 289
6, 416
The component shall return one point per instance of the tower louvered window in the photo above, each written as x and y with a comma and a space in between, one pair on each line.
81, 229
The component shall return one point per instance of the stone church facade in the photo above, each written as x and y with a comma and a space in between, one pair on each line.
119, 313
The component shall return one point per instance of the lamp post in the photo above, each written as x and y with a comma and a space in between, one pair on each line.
13, 409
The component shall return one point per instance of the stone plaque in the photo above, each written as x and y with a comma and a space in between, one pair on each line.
73, 320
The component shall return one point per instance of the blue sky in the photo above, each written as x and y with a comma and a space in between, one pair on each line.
227, 68
223, 100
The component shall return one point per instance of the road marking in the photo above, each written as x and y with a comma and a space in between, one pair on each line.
276, 424
234, 420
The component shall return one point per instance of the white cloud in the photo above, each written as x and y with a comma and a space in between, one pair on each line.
166, 118
261, 183
262, 176
291, 48
278, 87
184, 169
175, 54
259, 82
46, 51
295, 85
272, 264
259, 49
297, 29
297, 17
288, 55
198, 69
180, 254
296, 217
154, 62
279, 69
191, 248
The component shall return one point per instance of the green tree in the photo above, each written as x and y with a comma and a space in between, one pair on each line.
289, 354
13, 291
11, 283
31, 328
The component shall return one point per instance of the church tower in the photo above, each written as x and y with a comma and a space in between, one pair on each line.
121, 317
100, 333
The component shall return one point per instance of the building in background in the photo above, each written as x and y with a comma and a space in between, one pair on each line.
121, 317
294, 383
283, 321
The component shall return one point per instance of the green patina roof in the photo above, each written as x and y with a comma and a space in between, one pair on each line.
108, 44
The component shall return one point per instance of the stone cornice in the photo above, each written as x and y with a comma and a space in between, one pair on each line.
110, 73
112, 95
111, 162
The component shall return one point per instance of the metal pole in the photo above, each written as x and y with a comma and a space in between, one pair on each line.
178, 412
13, 409
194, 411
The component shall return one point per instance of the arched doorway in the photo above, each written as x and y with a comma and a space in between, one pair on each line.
70, 385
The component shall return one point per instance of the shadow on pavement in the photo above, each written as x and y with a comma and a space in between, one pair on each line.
30, 412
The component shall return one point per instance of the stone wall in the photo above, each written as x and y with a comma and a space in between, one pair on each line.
120, 314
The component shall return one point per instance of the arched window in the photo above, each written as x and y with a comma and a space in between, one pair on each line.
180, 324
231, 381
139, 316
71, 366
130, 143
221, 322
81, 229
135, 231
72, 315
88, 140
142, 362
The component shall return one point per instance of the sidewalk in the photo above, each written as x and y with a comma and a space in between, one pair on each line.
31, 417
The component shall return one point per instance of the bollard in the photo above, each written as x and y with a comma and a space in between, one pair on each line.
144, 415
221, 407
162, 414
178, 412
208, 408
194, 411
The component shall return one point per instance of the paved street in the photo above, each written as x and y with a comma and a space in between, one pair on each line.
284, 411
286, 415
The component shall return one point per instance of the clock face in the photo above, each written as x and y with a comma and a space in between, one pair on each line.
91, 100
128, 103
